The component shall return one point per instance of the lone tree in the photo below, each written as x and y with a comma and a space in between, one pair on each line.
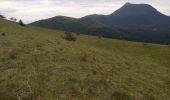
21, 23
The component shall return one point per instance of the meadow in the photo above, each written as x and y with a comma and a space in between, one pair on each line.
38, 64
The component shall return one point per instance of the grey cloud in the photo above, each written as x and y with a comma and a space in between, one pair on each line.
31, 10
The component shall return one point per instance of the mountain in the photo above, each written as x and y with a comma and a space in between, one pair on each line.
133, 14
39, 64
136, 10
140, 22
134, 22
86, 26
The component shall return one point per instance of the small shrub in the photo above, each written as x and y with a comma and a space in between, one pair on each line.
61, 49
70, 36
117, 95
84, 59
104, 82
3, 34
13, 55
78, 34
94, 72
149, 98
94, 59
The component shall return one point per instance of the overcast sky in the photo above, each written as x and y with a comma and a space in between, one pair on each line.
32, 10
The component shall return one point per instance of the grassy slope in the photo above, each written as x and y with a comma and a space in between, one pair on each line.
37, 63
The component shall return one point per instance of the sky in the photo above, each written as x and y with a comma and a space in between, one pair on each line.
33, 10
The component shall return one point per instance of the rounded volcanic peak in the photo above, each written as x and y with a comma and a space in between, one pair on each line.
130, 9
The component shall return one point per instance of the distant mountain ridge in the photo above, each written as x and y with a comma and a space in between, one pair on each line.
132, 14
86, 26
135, 22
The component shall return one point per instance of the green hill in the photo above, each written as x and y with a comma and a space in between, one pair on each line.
86, 26
38, 64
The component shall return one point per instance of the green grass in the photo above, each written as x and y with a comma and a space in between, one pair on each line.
38, 64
